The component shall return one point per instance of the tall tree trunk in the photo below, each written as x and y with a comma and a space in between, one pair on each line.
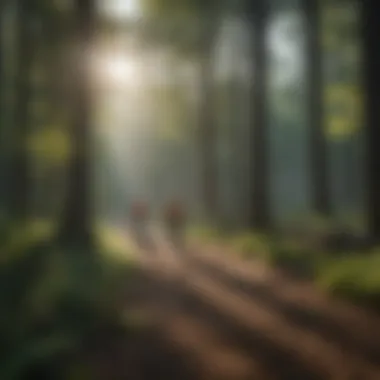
76, 225
321, 202
260, 215
371, 33
2, 118
207, 125
7, 55
19, 181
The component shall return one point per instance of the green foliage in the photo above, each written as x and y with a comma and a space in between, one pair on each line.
344, 103
355, 278
350, 274
341, 47
296, 258
50, 145
20, 237
288, 254
53, 300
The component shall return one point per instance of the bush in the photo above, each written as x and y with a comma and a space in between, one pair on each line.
295, 258
290, 255
336, 237
354, 278
53, 301
341, 263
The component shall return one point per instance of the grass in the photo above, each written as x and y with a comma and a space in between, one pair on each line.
53, 301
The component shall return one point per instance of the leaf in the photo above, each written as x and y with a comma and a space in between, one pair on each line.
51, 144
344, 107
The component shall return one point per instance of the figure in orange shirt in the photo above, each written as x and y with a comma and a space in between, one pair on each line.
175, 220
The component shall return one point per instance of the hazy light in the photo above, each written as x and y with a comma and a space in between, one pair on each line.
120, 9
121, 69
117, 70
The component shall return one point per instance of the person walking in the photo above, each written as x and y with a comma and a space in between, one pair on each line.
139, 219
175, 221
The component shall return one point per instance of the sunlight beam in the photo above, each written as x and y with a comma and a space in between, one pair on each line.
117, 70
120, 9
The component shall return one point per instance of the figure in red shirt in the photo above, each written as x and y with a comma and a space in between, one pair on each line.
139, 217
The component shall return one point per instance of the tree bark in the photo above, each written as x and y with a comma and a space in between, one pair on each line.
260, 215
371, 33
207, 125
19, 180
76, 227
321, 202
2, 120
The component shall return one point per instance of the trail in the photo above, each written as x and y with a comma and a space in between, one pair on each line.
227, 320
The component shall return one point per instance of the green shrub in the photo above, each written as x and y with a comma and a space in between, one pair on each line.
52, 300
295, 258
351, 270
355, 278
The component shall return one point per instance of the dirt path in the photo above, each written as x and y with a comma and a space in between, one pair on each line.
349, 327
220, 320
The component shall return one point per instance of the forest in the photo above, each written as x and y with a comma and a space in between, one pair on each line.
189, 189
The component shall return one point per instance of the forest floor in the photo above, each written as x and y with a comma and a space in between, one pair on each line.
215, 317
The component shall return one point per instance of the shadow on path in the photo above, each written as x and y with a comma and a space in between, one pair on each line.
282, 363
303, 317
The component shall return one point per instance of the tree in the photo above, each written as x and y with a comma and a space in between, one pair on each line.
318, 145
2, 112
76, 225
260, 209
19, 182
371, 30
207, 125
